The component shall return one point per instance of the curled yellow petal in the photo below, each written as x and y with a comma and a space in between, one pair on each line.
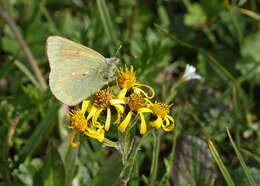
85, 105
157, 123
126, 121
108, 120
91, 112
72, 136
168, 127
150, 88
96, 115
143, 127
98, 125
122, 93
119, 108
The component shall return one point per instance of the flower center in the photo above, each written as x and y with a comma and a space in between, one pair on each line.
126, 79
78, 121
135, 101
161, 109
102, 99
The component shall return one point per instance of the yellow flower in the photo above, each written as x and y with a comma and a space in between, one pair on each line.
135, 103
103, 99
163, 120
127, 80
78, 123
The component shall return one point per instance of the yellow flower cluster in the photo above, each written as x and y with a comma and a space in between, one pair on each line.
131, 101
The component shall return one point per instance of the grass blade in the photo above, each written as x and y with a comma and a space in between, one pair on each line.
219, 162
27, 72
6, 68
242, 162
40, 132
256, 157
106, 20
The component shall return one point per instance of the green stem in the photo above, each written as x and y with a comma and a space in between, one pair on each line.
234, 20
156, 149
110, 143
128, 160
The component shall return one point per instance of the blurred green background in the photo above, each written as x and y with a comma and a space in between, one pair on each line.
159, 37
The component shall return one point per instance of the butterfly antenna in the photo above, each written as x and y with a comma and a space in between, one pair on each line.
118, 49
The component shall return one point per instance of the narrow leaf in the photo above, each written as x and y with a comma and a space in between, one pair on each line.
54, 170
109, 171
220, 164
242, 162
106, 20
40, 132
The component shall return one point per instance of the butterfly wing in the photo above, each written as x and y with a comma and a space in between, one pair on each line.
60, 49
75, 79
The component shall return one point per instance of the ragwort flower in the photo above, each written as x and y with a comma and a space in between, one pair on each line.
135, 103
161, 111
127, 80
78, 123
103, 99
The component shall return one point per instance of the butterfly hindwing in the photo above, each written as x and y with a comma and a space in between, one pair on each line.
76, 79
60, 49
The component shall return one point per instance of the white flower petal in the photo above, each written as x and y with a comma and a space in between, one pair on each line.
190, 73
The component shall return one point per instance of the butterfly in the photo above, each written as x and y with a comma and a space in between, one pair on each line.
76, 71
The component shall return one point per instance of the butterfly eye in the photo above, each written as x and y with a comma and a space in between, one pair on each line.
86, 73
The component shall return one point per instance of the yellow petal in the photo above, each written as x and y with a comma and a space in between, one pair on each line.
85, 106
108, 120
112, 88
96, 115
97, 134
119, 108
167, 122
98, 125
143, 128
144, 109
117, 101
151, 89
170, 118
72, 136
168, 127
91, 112
124, 123
157, 123
122, 93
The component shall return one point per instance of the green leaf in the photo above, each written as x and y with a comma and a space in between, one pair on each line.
193, 158
54, 169
109, 171
6, 68
38, 135
251, 46
69, 156
195, 16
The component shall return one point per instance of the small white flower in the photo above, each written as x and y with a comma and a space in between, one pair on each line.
190, 73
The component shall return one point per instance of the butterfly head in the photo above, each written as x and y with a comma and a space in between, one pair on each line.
113, 67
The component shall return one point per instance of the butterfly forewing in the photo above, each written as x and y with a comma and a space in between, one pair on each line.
60, 49
76, 79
